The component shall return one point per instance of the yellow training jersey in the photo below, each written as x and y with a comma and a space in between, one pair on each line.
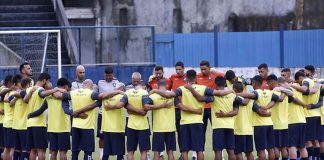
35, 102
243, 120
81, 98
8, 112
296, 113
239, 79
1, 105
134, 98
58, 121
163, 118
189, 100
113, 120
311, 99
225, 104
20, 115
279, 113
264, 97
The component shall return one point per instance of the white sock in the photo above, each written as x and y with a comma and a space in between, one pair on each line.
148, 157
194, 154
101, 152
161, 154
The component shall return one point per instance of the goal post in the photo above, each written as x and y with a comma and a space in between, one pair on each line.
38, 47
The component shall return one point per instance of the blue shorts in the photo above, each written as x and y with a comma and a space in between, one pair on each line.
1, 136
263, 137
9, 139
37, 138
321, 137
281, 138
99, 133
192, 137
297, 135
223, 138
138, 137
312, 128
162, 140
114, 143
20, 139
59, 141
243, 143
83, 139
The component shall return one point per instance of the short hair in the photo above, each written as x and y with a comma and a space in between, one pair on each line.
157, 68
109, 70
204, 63
21, 67
220, 81
162, 82
281, 80
229, 75
257, 80
263, 65
310, 68
16, 79
191, 74
179, 63
286, 70
238, 86
44, 76
272, 77
62, 82
8, 79
25, 82
299, 74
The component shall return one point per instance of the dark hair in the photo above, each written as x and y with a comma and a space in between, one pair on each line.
191, 74
16, 79
238, 86
299, 74
281, 80
21, 67
161, 82
229, 75
204, 63
157, 68
7, 80
25, 82
285, 70
220, 81
272, 77
257, 80
62, 82
44, 76
310, 68
109, 70
263, 65
179, 63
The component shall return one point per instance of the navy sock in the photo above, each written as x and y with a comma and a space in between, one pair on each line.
105, 157
322, 155
317, 152
120, 157
75, 155
284, 158
298, 154
87, 155
276, 158
16, 155
304, 159
24, 156
310, 151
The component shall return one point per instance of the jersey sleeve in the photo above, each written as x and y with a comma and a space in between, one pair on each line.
66, 107
147, 100
306, 83
318, 104
39, 111
237, 102
209, 92
255, 107
256, 95
124, 100
94, 95
290, 99
66, 96
274, 97
22, 94
40, 92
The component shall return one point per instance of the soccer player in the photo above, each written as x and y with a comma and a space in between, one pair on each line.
311, 95
262, 122
158, 74
82, 129
243, 127
113, 123
26, 71
263, 71
231, 78
1, 121
163, 120
80, 75
286, 73
224, 108
107, 85
136, 79
138, 132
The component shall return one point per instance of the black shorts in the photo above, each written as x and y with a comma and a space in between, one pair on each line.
1, 136
9, 139
321, 137
114, 143
263, 137
223, 138
162, 140
243, 143
139, 138
191, 137
312, 128
20, 139
99, 121
59, 141
297, 135
37, 138
281, 138
83, 139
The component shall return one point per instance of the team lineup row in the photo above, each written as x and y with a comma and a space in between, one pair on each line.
280, 115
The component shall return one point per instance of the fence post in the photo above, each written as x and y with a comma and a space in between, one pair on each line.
79, 43
282, 49
216, 29
153, 44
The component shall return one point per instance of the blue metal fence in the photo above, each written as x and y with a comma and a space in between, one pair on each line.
243, 49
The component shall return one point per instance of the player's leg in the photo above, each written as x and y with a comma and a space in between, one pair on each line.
63, 154
321, 140
87, 143
40, 140
53, 144
218, 155
158, 144
100, 136
260, 141
30, 144
249, 156
132, 142
303, 153
63, 144
17, 145
230, 143
23, 141
196, 132
144, 143
184, 137
170, 143
76, 139
309, 136
178, 118
53, 154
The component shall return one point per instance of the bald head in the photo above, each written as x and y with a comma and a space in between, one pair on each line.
87, 84
80, 72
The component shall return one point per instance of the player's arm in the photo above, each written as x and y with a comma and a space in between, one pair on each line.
245, 101
288, 92
253, 95
315, 88
30, 93
4, 91
44, 93
199, 97
66, 105
12, 100
106, 95
166, 94
317, 105
236, 103
274, 99
187, 108
87, 108
222, 92
149, 105
260, 111
39, 111
133, 110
